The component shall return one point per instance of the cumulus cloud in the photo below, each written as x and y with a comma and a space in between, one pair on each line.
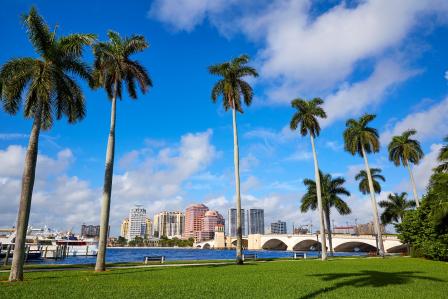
423, 171
353, 99
307, 53
430, 123
153, 179
184, 14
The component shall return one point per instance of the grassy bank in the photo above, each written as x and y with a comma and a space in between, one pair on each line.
357, 278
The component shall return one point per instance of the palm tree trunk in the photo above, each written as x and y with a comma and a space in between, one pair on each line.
29, 173
328, 225
107, 189
374, 205
414, 187
236, 160
319, 201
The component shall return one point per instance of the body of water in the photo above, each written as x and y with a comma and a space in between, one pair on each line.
115, 255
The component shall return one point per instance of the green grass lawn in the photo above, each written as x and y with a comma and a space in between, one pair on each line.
341, 278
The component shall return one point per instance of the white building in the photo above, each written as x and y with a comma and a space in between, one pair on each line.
137, 223
169, 224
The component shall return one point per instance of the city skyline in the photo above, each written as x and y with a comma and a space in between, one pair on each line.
399, 74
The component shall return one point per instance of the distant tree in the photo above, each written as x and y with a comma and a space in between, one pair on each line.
306, 117
363, 179
121, 241
113, 66
395, 207
50, 91
443, 158
426, 228
232, 88
332, 188
402, 151
361, 139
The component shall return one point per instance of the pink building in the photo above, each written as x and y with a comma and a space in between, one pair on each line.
210, 221
194, 216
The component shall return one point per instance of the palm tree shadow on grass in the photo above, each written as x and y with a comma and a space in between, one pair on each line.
367, 278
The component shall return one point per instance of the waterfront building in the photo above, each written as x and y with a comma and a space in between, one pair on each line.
278, 227
232, 222
169, 224
194, 216
90, 231
211, 220
349, 229
255, 221
367, 229
124, 229
137, 223
148, 228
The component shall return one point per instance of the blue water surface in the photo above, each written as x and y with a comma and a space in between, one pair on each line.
116, 255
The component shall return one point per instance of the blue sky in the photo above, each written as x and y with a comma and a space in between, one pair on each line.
175, 147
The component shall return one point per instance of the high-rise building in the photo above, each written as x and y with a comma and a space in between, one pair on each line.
148, 228
232, 222
137, 223
255, 221
90, 231
278, 227
211, 220
124, 230
169, 224
194, 216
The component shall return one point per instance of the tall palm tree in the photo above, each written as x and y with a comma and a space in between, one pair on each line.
50, 92
232, 88
443, 158
361, 139
363, 179
306, 116
113, 66
394, 207
402, 151
332, 188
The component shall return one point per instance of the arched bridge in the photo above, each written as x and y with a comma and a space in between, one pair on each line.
341, 243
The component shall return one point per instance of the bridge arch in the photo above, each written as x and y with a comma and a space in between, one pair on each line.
206, 246
274, 244
398, 249
354, 247
245, 243
308, 245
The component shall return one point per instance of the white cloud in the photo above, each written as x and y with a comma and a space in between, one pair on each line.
62, 202
250, 183
184, 14
423, 171
11, 136
13, 157
248, 162
430, 124
353, 99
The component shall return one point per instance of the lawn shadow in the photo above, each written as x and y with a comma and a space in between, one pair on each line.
367, 278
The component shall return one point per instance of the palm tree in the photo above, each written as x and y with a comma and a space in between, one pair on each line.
331, 189
361, 139
363, 179
306, 116
394, 207
404, 150
443, 158
113, 67
231, 87
50, 92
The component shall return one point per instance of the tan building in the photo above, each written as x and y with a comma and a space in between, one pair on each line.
124, 228
169, 224
148, 233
